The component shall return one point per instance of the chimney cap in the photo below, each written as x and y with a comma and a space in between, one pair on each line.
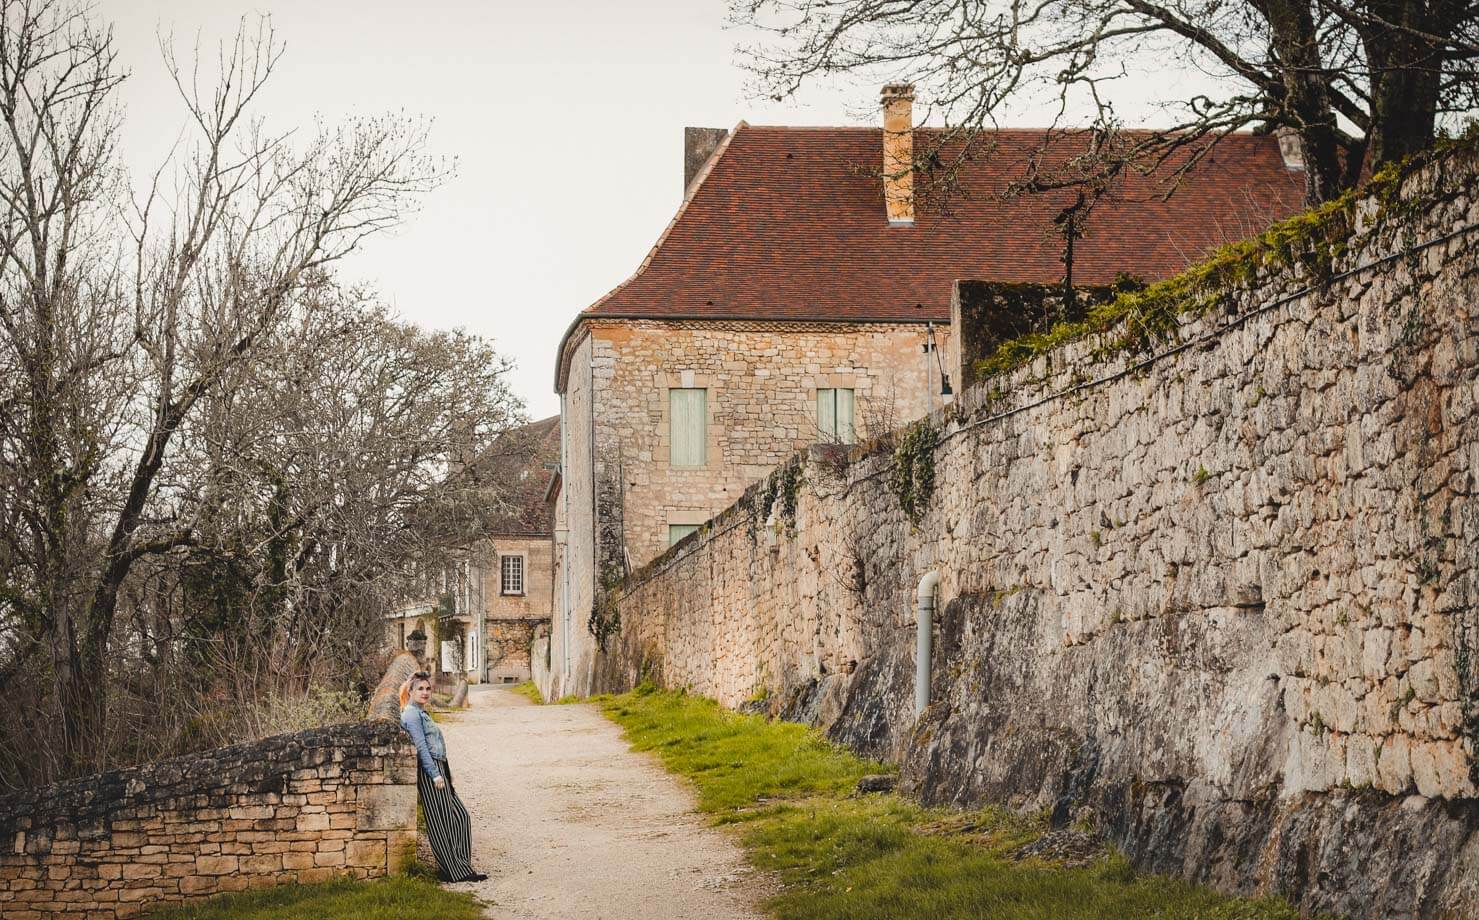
894, 91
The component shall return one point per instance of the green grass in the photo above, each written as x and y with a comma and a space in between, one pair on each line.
529, 691
786, 793
734, 759
394, 898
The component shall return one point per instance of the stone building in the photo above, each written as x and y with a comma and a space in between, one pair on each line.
802, 294
481, 608
517, 561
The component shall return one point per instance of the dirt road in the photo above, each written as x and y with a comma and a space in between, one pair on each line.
568, 822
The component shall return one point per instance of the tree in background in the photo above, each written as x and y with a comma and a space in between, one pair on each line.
319, 481
207, 446
1361, 83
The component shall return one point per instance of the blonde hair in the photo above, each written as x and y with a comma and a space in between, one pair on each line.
410, 685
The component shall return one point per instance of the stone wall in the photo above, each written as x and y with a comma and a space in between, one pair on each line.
1219, 601
571, 649
762, 380
536, 601
293, 808
330, 801
510, 619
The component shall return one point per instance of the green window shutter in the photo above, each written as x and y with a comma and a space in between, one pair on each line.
835, 416
826, 415
677, 532
846, 433
687, 413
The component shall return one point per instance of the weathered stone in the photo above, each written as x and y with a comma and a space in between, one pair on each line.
877, 782
1225, 600
112, 845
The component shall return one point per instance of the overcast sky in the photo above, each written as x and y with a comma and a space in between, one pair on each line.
565, 117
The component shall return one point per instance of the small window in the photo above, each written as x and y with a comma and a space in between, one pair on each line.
688, 417
677, 532
834, 416
511, 572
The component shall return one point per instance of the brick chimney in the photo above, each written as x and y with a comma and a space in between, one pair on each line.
898, 153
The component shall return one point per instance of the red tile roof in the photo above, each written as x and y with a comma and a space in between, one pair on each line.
789, 224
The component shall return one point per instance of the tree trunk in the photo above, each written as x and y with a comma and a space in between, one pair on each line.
1405, 75
1306, 103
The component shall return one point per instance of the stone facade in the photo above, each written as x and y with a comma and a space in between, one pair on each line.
479, 631
762, 381
1222, 603
571, 651
294, 808
511, 617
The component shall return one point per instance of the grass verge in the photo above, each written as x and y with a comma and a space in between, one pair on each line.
394, 898
530, 691
787, 793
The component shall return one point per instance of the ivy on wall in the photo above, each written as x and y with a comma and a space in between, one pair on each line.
781, 492
912, 479
605, 619
1312, 241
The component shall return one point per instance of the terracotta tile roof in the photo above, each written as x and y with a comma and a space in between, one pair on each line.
789, 225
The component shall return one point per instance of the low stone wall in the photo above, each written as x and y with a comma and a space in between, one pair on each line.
331, 801
1223, 603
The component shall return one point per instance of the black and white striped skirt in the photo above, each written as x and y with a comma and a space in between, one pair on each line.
448, 827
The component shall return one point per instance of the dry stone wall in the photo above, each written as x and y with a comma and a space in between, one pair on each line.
1220, 603
331, 801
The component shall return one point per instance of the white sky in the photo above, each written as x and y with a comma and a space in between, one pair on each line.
565, 116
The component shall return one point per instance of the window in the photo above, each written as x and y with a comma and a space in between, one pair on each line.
834, 416
511, 574
677, 532
688, 417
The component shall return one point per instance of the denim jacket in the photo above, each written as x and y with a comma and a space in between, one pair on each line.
428, 738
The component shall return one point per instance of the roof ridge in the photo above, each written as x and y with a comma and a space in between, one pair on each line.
762, 236
689, 194
1009, 130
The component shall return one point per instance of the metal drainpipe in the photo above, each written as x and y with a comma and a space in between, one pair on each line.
924, 618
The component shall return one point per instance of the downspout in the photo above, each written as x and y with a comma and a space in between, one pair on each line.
924, 618
565, 557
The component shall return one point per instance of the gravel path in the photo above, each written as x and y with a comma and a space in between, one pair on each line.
569, 822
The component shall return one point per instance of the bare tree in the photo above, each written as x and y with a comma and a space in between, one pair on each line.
319, 480
1360, 83
118, 316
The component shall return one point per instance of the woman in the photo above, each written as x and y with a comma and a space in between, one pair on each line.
447, 825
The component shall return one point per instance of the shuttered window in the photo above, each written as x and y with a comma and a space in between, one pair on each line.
834, 416
677, 532
688, 410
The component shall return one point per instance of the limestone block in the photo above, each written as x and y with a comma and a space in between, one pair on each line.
368, 853
216, 865
1394, 766
387, 807
261, 864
